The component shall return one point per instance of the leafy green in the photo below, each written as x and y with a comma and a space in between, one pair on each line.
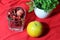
31, 8
46, 5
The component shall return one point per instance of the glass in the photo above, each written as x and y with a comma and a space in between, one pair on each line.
16, 18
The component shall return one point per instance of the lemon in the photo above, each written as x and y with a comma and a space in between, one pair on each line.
34, 29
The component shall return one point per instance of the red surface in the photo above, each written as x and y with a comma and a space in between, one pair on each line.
51, 24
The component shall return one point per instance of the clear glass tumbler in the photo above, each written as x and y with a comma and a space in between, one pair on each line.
16, 18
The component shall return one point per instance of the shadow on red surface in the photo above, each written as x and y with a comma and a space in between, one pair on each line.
45, 29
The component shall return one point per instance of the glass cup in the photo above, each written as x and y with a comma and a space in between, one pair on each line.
16, 18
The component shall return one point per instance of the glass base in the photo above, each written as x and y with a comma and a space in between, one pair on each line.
16, 29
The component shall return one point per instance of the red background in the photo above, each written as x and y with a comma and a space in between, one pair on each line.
51, 24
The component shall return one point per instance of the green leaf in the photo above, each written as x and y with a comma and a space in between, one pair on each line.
29, 3
46, 5
31, 9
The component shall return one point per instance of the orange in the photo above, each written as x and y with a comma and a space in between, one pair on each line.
34, 29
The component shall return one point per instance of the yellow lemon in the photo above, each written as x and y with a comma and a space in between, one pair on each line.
34, 29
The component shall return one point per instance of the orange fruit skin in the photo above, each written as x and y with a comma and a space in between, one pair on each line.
34, 29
